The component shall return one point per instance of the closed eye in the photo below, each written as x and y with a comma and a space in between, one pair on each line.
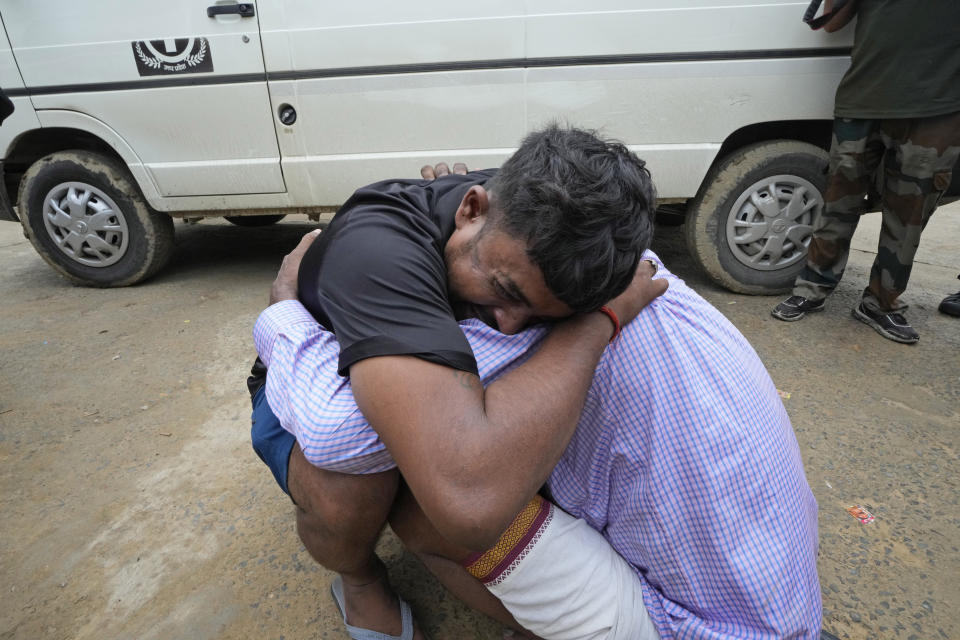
509, 290
502, 292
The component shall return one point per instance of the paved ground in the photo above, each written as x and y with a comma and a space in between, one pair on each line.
133, 506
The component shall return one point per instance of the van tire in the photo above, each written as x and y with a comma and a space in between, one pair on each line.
126, 245
728, 196
255, 221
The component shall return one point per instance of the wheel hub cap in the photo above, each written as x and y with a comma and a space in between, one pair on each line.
770, 224
85, 224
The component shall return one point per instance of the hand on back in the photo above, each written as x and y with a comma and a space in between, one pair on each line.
441, 169
285, 285
642, 291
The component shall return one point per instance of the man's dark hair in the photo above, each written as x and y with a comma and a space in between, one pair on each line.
585, 208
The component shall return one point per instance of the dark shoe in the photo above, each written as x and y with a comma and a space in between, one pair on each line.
890, 325
951, 305
795, 307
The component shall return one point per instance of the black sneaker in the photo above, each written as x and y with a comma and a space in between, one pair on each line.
795, 307
951, 305
890, 325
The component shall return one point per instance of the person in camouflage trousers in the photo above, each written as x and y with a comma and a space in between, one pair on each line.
916, 158
896, 132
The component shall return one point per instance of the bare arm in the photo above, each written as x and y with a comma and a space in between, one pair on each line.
842, 17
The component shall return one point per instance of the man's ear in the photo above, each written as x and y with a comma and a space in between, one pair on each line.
474, 207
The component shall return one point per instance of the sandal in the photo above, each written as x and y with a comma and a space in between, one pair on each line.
358, 633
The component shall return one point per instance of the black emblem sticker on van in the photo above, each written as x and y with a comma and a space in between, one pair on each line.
176, 55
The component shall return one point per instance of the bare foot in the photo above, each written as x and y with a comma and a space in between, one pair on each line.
375, 606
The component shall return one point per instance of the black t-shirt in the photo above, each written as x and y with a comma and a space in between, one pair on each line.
377, 278
905, 61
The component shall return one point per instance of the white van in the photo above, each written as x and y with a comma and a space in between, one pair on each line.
129, 114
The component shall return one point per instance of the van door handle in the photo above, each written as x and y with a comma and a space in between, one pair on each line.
245, 9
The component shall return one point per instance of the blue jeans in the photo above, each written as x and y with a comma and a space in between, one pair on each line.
271, 441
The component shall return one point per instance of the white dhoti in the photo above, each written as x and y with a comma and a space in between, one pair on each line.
562, 580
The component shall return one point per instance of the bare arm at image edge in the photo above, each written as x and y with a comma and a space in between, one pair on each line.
842, 17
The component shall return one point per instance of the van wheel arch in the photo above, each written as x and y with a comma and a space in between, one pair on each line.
815, 132
32, 145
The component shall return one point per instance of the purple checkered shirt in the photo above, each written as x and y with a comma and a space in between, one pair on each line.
684, 459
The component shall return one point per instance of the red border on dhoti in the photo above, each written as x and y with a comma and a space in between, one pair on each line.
519, 548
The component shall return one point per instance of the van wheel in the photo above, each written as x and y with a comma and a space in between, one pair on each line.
86, 217
751, 222
254, 221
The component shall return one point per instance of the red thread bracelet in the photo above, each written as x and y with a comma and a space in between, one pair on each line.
607, 311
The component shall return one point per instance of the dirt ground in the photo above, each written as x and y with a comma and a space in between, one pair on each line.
134, 507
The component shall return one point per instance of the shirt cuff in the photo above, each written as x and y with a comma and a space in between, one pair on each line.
273, 321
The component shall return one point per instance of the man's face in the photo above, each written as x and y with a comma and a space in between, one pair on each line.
491, 278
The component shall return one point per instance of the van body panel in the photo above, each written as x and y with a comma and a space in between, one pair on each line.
379, 85
359, 119
304, 35
189, 157
693, 74
430, 116
23, 117
677, 115
206, 139
615, 27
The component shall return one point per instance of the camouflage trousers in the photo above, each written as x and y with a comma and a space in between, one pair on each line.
908, 164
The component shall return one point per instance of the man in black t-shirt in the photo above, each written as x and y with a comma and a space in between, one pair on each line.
349, 278
555, 235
